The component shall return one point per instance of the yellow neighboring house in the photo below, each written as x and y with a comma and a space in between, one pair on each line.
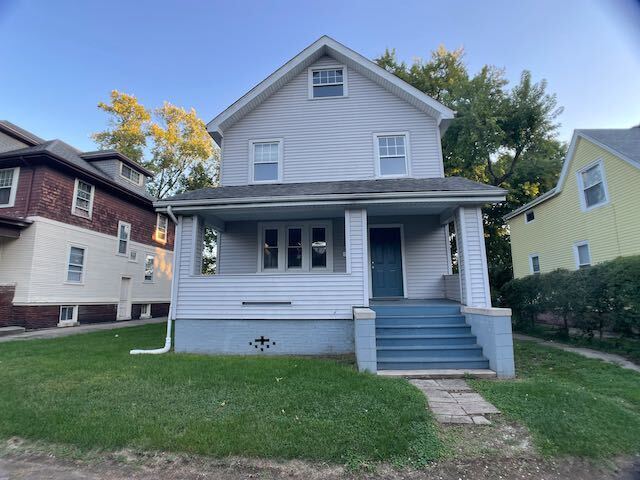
591, 215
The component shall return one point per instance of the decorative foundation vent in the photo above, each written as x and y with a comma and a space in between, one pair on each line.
262, 343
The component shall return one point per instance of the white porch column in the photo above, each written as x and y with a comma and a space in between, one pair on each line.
472, 257
356, 237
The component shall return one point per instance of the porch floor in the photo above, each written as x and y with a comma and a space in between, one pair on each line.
413, 301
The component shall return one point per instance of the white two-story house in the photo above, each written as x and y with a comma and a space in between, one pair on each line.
333, 231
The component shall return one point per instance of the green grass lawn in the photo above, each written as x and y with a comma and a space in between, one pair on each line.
572, 405
87, 391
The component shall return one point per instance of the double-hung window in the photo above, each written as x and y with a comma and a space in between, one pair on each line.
392, 155
75, 267
583, 254
327, 82
270, 250
162, 225
266, 161
592, 185
534, 264
82, 199
8, 186
124, 234
130, 174
148, 268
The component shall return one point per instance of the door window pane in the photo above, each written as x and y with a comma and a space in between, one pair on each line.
270, 249
318, 247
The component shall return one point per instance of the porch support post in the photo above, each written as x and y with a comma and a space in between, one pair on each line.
472, 257
356, 236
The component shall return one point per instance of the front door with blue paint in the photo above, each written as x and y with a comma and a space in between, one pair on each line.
386, 261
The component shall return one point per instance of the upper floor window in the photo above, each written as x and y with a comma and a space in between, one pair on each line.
124, 233
529, 217
82, 199
593, 190
266, 161
8, 186
75, 268
392, 153
582, 253
130, 174
162, 226
327, 82
534, 264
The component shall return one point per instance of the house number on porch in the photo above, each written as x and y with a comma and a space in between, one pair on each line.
262, 343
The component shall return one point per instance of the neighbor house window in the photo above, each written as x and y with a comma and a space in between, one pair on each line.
82, 199
534, 264
75, 268
162, 225
145, 310
8, 186
529, 217
133, 256
592, 184
124, 233
327, 82
130, 174
318, 247
392, 155
68, 315
266, 161
582, 254
270, 249
148, 268
294, 247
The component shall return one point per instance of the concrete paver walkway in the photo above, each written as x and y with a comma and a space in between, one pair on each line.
66, 331
454, 401
585, 352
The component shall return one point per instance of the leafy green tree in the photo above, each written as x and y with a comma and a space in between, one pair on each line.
502, 136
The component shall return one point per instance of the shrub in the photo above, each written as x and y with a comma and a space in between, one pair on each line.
605, 296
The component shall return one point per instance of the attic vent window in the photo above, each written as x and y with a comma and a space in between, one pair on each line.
327, 82
130, 174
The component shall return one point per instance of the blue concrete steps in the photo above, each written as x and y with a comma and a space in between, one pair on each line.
425, 336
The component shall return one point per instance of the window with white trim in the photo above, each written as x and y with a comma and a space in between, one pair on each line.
68, 315
266, 161
299, 247
130, 174
8, 186
294, 248
133, 256
149, 261
529, 216
327, 82
392, 155
582, 253
82, 199
124, 234
75, 267
270, 250
162, 226
145, 310
593, 188
534, 264
318, 247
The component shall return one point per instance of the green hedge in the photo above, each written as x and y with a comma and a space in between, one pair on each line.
602, 297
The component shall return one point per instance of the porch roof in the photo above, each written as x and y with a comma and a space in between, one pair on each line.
344, 190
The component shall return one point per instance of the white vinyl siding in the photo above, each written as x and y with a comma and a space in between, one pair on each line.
331, 140
82, 199
8, 186
472, 259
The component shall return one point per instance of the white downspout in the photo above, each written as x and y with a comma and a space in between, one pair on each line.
176, 250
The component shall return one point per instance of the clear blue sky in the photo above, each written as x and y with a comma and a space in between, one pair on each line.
59, 58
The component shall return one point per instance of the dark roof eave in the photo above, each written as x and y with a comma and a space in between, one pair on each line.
108, 154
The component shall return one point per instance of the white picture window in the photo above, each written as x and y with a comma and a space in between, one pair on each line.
162, 227
124, 234
392, 153
82, 199
149, 268
534, 264
266, 161
327, 82
529, 216
593, 187
68, 315
583, 254
8, 186
75, 267
130, 174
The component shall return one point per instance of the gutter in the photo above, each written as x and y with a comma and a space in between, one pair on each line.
527, 206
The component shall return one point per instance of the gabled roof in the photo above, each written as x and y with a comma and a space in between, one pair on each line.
321, 47
19, 133
98, 155
322, 190
623, 143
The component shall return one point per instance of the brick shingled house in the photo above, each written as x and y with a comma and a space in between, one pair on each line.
80, 241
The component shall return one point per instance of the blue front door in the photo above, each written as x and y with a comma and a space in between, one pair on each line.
386, 261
